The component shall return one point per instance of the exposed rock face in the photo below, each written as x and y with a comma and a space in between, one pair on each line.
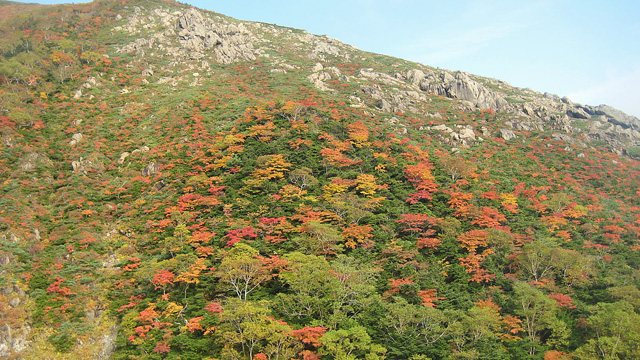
464, 137
617, 117
13, 341
108, 345
533, 111
192, 39
5, 259
322, 74
197, 36
230, 42
461, 86
123, 157
75, 139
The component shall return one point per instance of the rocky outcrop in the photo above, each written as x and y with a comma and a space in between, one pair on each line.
13, 340
461, 86
194, 38
321, 75
229, 42
458, 85
532, 111
151, 169
463, 137
75, 138
88, 165
33, 161
107, 344
617, 117
189, 35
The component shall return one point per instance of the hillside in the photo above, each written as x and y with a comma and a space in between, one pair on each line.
179, 184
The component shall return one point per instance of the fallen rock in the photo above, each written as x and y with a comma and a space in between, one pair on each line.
507, 134
123, 157
151, 169
467, 134
75, 138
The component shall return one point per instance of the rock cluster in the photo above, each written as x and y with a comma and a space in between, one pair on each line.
189, 35
229, 42
194, 38
90, 164
532, 111
461, 86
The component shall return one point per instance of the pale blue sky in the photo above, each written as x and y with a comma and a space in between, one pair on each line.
587, 50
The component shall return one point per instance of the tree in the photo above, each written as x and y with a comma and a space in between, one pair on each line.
572, 267
472, 264
91, 57
269, 168
615, 330
423, 181
355, 235
410, 328
456, 167
536, 260
538, 314
489, 217
163, 278
242, 271
302, 178
351, 344
248, 329
319, 239
473, 239
359, 134
355, 287
480, 324
312, 287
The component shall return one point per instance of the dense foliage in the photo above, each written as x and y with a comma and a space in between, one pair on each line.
252, 216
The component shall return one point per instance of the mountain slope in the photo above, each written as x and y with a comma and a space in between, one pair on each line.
180, 184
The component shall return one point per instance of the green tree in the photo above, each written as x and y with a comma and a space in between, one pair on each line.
351, 344
411, 328
302, 178
536, 260
319, 239
615, 330
241, 271
480, 325
312, 287
248, 329
538, 314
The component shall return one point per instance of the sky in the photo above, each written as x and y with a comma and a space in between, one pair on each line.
587, 50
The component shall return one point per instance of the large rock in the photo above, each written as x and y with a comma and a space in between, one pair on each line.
230, 42
618, 117
198, 36
461, 86
507, 134
467, 134
75, 139
151, 169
